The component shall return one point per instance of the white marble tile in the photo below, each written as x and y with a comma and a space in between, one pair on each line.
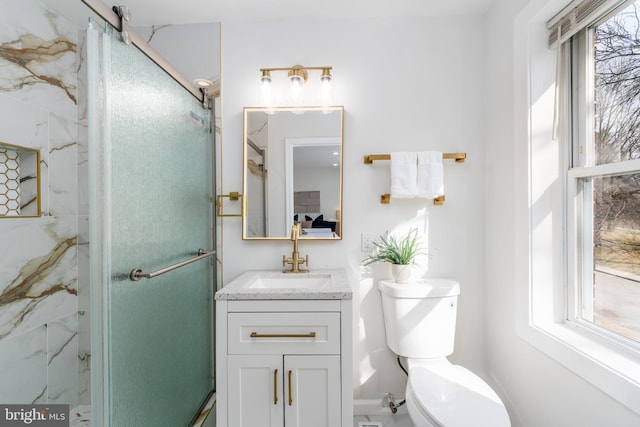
40, 61
24, 367
83, 418
63, 175
38, 282
83, 129
27, 126
84, 289
80, 416
62, 355
84, 316
84, 359
38, 266
83, 170
32, 16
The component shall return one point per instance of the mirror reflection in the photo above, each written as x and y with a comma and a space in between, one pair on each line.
19, 181
293, 172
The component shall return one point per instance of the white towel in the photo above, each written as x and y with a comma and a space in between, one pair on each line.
404, 178
430, 174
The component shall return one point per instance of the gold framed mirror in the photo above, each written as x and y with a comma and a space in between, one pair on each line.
19, 181
292, 172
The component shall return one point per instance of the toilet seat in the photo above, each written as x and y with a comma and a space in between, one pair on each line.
452, 396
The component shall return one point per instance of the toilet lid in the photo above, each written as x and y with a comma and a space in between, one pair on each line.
453, 396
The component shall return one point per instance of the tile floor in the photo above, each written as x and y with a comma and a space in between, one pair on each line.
80, 416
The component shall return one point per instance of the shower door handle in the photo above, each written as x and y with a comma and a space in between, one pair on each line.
137, 274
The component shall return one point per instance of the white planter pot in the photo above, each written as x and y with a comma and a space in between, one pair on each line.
401, 273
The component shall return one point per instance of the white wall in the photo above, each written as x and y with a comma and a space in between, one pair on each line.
193, 49
407, 84
541, 392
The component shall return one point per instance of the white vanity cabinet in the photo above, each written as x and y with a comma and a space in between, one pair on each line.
284, 390
283, 363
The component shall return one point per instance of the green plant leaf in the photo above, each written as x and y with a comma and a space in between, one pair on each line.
395, 250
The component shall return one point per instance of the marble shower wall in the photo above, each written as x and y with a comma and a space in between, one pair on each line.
39, 358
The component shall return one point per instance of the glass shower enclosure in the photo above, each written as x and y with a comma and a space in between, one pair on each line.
151, 160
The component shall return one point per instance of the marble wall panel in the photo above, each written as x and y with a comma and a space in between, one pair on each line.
84, 313
38, 262
83, 127
84, 358
38, 56
84, 294
62, 354
38, 275
24, 367
63, 169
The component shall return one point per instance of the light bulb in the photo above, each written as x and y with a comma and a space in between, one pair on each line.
296, 90
326, 94
266, 93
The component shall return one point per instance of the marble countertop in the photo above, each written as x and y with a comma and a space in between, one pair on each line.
242, 288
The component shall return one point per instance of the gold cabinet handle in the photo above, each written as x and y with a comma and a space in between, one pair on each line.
257, 335
275, 387
290, 394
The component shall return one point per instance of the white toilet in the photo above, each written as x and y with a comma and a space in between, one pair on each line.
420, 322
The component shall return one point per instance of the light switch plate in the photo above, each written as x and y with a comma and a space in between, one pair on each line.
366, 245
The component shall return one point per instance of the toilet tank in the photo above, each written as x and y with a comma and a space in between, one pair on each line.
420, 317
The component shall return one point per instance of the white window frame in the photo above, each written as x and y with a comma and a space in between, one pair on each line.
542, 222
580, 188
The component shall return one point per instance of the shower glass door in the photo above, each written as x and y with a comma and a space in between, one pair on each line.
151, 185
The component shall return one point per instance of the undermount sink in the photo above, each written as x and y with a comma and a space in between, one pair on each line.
290, 282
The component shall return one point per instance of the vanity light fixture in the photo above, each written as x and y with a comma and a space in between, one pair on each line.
298, 76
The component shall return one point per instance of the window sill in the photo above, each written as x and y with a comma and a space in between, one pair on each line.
614, 371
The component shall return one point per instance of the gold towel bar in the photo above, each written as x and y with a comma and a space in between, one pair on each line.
386, 198
233, 196
458, 157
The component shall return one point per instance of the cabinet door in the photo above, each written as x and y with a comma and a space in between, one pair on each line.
255, 391
312, 391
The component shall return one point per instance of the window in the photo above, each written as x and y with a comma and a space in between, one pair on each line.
560, 199
604, 177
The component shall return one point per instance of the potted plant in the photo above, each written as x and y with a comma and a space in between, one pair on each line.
400, 252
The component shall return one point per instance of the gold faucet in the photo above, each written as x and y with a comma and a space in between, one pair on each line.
295, 259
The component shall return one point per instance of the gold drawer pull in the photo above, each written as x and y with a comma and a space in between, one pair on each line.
290, 393
257, 335
275, 387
